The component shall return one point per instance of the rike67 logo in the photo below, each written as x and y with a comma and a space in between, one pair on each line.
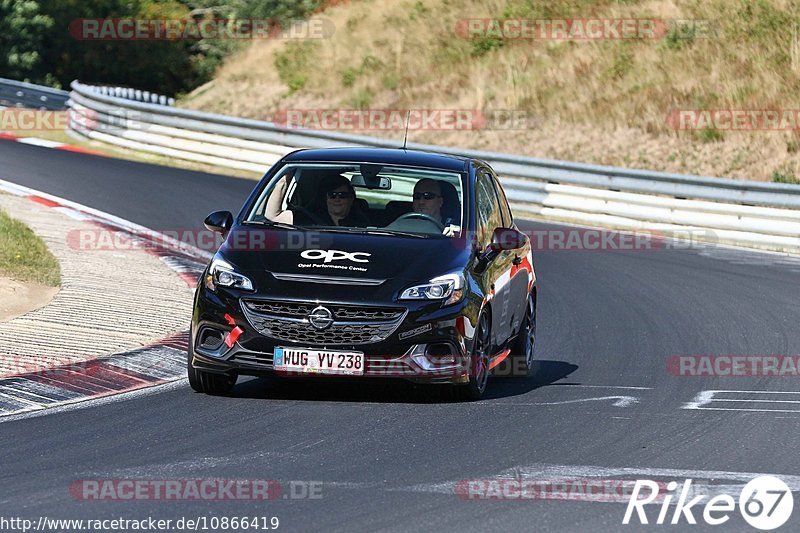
765, 503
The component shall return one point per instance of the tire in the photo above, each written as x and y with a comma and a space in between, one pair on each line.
479, 364
207, 382
523, 348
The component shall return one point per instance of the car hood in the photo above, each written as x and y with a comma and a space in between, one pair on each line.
287, 254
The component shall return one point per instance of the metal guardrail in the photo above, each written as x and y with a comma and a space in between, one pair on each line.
21, 94
746, 213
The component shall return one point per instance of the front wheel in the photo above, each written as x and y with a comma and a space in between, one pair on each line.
479, 363
524, 346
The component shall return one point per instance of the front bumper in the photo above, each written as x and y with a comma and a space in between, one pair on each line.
430, 344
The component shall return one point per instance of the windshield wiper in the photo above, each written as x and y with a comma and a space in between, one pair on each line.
368, 231
273, 224
376, 231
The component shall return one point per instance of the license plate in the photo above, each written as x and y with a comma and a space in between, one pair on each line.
311, 361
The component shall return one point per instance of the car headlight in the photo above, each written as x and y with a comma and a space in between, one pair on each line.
449, 288
222, 274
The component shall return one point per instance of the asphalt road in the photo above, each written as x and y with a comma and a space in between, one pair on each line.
388, 455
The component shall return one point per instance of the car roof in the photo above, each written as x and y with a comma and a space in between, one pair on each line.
386, 156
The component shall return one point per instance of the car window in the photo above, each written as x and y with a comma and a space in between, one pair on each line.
488, 209
508, 218
377, 196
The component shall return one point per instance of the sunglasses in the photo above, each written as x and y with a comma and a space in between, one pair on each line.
425, 195
338, 194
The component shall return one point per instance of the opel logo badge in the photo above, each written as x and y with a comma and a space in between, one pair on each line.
320, 317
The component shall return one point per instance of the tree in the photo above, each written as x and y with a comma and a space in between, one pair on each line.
22, 29
38, 43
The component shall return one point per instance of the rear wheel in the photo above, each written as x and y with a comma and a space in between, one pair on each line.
479, 363
208, 382
524, 346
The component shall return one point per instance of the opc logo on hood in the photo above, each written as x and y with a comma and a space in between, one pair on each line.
334, 255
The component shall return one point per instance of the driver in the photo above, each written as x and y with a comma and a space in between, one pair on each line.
428, 198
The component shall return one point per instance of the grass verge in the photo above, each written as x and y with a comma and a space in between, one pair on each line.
24, 256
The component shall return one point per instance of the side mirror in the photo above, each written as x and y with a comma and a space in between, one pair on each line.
219, 222
503, 239
507, 239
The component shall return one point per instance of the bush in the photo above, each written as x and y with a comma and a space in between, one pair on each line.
784, 176
294, 62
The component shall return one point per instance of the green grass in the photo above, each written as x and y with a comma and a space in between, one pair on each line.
24, 256
784, 176
294, 64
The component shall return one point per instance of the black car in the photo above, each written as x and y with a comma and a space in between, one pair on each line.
372, 263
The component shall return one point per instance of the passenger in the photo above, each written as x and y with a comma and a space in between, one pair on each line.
340, 197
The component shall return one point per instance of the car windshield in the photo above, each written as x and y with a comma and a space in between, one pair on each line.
363, 198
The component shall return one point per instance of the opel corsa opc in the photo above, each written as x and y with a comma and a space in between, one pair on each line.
369, 263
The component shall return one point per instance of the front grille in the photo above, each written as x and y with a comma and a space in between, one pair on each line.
341, 312
352, 324
210, 339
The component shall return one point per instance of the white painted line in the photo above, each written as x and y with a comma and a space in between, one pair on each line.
72, 213
27, 390
754, 401
606, 387
47, 391
16, 190
620, 401
757, 391
703, 399
7, 393
747, 410
39, 142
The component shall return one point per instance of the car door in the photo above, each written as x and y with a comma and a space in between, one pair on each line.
520, 275
497, 273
